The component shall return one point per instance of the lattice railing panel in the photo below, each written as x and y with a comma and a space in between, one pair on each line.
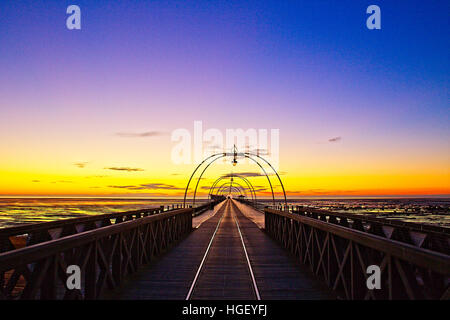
105, 256
340, 256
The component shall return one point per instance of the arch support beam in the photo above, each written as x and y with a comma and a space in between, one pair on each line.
235, 155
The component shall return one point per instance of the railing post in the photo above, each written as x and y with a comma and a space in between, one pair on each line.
117, 260
48, 290
91, 274
189, 217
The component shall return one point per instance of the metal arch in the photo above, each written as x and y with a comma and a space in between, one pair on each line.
199, 178
224, 187
267, 176
234, 154
232, 191
249, 185
252, 189
228, 183
231, 188
279, 179
187, 187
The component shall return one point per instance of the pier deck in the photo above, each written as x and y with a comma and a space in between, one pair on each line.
225, 272
228, 250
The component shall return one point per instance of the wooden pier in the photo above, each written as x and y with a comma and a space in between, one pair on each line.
214, 265
224, 255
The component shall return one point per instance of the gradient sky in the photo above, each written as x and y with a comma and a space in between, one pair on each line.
309, 68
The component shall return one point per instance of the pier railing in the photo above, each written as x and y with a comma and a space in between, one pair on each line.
16, 237
435, 238
104, 255
46, 231
340, 255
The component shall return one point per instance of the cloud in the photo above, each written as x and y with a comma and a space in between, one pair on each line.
126, 187
149, 186
319, 192
161, 186
140, 135
35, 180
252, 174
261, 152
261, 189
80, 164
244, 174
335, 139
214, 147
245, 187
141, 194
124, 169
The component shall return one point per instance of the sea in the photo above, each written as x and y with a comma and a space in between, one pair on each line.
20, 211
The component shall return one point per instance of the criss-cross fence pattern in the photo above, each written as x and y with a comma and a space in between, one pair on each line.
46, 231
105, 256
340, 256
30, 234
425, 236
207, 206
432, 237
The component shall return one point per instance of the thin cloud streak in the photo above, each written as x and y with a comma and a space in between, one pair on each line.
124, 169
335, 139
80, 165
148, 186
141, 135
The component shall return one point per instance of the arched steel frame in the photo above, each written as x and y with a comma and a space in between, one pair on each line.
230, 184
193, 173
232, 188
222, 156
273, 169
249, 185
245, 188
235, 155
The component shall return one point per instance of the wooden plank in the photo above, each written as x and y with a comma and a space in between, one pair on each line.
225, 273
170, 276
278, 275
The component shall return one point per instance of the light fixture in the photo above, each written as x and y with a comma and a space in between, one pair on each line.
234, 162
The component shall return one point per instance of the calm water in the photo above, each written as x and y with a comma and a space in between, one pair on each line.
25, 210
430, 211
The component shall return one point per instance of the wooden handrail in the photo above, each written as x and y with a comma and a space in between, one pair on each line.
340, 256
411, 225
425, 258
11, 259
31, 227
47, 231
105, 256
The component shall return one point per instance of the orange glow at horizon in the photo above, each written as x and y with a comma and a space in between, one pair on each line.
142, 168
138, 185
